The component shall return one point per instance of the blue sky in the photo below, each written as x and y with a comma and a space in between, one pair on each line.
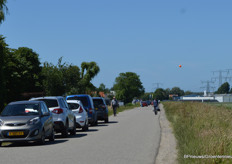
148, 37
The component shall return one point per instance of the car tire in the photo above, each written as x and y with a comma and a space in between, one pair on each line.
0, 144
42, 139
52, 136
73, 131
107, 120
86, 127
64, 132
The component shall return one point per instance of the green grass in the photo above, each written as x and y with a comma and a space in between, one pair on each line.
123, 108
201, 129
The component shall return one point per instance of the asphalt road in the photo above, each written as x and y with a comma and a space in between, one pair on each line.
132, 137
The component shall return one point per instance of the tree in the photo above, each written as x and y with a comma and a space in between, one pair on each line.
23, 73
53, 79
188, 93
72, 79
3, 10
3, 55
177, 91
88, 71
223, 89
160, 94
127, 86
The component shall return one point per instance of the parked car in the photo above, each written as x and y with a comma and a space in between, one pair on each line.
64, 118
143, 103
26, 121
87, 102
80, 113
101, 108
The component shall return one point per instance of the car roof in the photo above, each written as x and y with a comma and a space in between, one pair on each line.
81, 95
24, 102
98, 98
47, 97
74, 101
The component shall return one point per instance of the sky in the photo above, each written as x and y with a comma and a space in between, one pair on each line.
148, 37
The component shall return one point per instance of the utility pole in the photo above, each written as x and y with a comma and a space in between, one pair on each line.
207, 86
157, 85
220, 77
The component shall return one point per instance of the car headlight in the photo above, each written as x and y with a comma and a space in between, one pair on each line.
34, 121
1, 122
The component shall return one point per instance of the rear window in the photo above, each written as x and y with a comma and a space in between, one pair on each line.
50, 103
73, 106
97, 102
84, 100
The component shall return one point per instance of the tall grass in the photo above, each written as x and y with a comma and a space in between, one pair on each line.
201, 129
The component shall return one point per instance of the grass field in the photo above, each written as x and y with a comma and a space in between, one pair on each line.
201, 129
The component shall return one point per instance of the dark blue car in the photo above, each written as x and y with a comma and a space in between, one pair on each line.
87, 102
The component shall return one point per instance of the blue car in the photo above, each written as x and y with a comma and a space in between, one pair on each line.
87, 102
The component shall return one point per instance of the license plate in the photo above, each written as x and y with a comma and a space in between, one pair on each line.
15, 133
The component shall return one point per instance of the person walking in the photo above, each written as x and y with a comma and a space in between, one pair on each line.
155, 104
114, 105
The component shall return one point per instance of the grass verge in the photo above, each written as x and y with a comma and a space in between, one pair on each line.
123, 108
201, 129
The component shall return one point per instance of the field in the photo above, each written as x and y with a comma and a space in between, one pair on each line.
202, 130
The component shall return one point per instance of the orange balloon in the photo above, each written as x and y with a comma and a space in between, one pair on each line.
180, 66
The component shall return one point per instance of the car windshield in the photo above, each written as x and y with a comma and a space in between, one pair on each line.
84, 100
50, 103
21, 110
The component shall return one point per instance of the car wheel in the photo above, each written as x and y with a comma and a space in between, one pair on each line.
42, 139
107, 120
0, 144
65, 130
73, 132
86, 127
52, 136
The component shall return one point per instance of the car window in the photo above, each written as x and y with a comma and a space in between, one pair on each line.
61, 103
73, 106
21, 110
97, 102
65, 103
50, 102
45, 107
84, 100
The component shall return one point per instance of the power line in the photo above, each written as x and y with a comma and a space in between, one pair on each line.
221, 77
208, 87
157, 85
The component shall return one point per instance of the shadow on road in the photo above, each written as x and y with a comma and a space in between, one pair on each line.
112, 122
27, 144
76, 136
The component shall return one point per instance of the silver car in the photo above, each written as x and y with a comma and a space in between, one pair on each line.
64, 118
26, 121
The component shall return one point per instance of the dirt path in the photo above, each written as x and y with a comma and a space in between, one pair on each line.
167, 151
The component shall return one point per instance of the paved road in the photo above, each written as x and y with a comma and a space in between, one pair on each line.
130, 138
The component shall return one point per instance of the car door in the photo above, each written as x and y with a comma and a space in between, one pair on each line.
45, 118
49, 118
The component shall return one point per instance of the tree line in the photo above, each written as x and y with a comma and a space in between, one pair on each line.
22, 76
